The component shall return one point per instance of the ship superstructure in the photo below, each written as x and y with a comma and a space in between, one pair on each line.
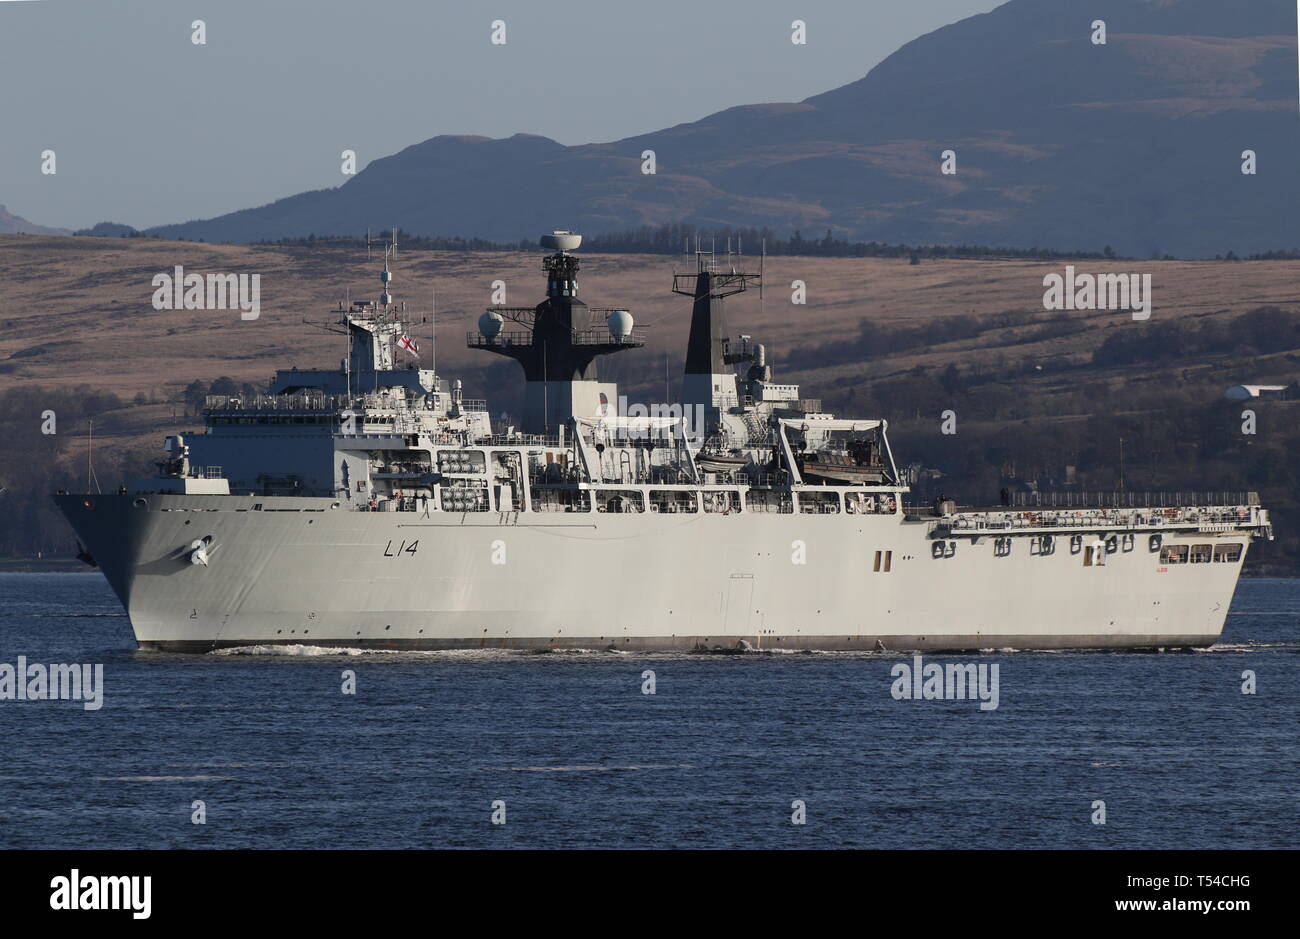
375, 506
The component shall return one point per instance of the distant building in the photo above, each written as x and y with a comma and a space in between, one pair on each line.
1248, 392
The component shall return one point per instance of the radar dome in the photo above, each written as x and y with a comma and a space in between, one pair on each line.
489, 324
561, 241
620, 324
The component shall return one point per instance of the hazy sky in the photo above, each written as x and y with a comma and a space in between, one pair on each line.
149, 128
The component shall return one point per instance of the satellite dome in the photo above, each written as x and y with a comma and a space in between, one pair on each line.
620, 323
489, 324
561, 241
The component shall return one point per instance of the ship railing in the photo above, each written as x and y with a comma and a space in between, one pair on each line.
318, 403
304, 402
1130, 500
473, 404
403, 504
994, 520
720, 444
518, 440
768, 480
197, 472
579, 337
377, 402
601, 336
514, 337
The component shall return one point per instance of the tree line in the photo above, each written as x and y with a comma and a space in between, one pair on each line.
679, 238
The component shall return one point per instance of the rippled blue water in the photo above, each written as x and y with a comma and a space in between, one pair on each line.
582, 757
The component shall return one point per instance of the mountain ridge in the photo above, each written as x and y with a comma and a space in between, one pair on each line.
1136, 143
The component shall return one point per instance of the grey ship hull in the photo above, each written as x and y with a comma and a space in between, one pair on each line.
295, 570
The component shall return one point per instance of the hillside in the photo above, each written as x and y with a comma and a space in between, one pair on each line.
77, 309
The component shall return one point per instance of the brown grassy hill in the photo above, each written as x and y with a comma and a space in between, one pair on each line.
78, 310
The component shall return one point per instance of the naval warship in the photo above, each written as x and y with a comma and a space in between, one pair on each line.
375, 506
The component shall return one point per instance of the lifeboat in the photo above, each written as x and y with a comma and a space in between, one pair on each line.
839, 468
